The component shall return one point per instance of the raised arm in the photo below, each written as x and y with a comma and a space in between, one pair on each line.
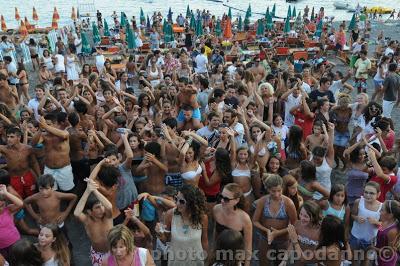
52, 130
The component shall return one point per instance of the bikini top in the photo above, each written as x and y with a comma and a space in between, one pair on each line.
238, 172
280, 215
261, 152
191, 174
220, 227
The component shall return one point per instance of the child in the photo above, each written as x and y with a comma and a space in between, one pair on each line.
384, 173
281, 131
366, 214
140, 231
95, 212
317, 138
8, 232
337, 205
48, 202
53, 246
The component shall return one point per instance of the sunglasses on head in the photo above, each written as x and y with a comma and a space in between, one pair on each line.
180, 201
225, 199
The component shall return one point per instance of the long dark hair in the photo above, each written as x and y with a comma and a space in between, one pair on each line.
223, 166
367, 116
295, 138
288, 181
393, 207
229, 249
332, 232
24, 253
195, 204
308, 171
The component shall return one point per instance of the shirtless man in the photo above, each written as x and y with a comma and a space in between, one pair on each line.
7, 94
20, 161
97, 220
258, 71
188, 96
48, 202
56, 145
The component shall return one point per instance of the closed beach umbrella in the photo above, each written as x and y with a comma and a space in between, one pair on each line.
230, 13
228, 29
106, 29
17, 16
246, 22
218, 29
286, 29
3, 24
294, 12
35, 16
171, 32
273, 10
312, 14
289, 12
248, 12
240, 24
352, 23
142, 17
192, 24
170, 15
266, 13
23, 30
96, 33
260, 27
299, 22
55, 14
86, 49
164, 27
188, 13
130, 37
318, 30
148, 25
270, 23
199, 28
54, 24
123, 19
27, 24
168, 33
73, 14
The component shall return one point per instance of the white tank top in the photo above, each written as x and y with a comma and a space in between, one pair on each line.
365, 231
323, 173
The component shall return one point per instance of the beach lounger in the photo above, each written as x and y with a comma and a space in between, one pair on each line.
282, 51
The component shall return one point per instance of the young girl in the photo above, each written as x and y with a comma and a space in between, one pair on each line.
137, 145
53, 246
8, 232
290, 190
337, 205
317, 138
281, 131
366, 214
296, 151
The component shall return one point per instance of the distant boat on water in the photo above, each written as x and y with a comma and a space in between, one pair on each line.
344, 6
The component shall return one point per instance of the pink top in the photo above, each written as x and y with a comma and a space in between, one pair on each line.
137, 262
389, 140
8, 232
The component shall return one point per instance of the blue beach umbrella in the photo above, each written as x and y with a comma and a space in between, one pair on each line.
240, 24
123, 19
199, 28
270, 23
192, 24
230, 13
142, 17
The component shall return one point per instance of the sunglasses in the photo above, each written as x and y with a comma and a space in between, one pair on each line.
180, 201
225, 199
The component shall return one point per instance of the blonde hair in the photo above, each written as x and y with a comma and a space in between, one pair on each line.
121, 232
272, 180
268, 86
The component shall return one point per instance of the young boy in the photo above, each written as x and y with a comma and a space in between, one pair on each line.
48, 202
384, 173
95, 212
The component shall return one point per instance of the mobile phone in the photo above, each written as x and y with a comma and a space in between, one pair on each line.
121, 130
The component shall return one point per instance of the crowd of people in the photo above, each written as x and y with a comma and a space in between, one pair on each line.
183, 154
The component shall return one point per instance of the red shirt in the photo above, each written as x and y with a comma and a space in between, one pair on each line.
305, 122
385, 186
209, 190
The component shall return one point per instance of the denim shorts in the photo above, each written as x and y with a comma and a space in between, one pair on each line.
359, 244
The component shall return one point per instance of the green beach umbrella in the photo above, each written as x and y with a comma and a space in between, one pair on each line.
287, 25
312, 14
299, 21
148, 24
123, 19
164, 27
188, 13
249, 10
230, 13
192, 24
169, 34
240, 24
294, 12
96, 34
289, 12
260, 28
270, 23
273, 10
106, 29
199, 28
266, 13
318, 31
352, 23
169, 16
218, 29
142, 17
86, 48
130, 37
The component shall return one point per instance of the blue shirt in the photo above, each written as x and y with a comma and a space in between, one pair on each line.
126, 192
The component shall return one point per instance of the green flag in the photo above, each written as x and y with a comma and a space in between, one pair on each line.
96, 34
106, 29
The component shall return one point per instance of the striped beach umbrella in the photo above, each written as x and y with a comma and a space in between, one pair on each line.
230, 13
17, 16
35, 16
106, 29
55, 14
240, 24
142, 17
86, 48
73, 14
3, 24
23, 30
188, 13
130, 37
96, 33
286, 29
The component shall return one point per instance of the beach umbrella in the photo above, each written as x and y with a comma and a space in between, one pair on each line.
299, 21
77, 13
270, 23
35, 16
17, 16
73, 14
148, 24
261, 27
286, 29
240, 24
352, 23
192, 24
312, 14
169, 16
106, 29
248, 12
130, 37
123, 19
246, 22
55, 14
230, 13
318, 31
167, 33
22, 29
3, 24
86, 48
218, 29
27, 24
199, 28
164, 27
171, 32
273, 10
266, 13
228, 29
96, 33
54, 24
294, 12
289, 12
142, 17
188, 13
